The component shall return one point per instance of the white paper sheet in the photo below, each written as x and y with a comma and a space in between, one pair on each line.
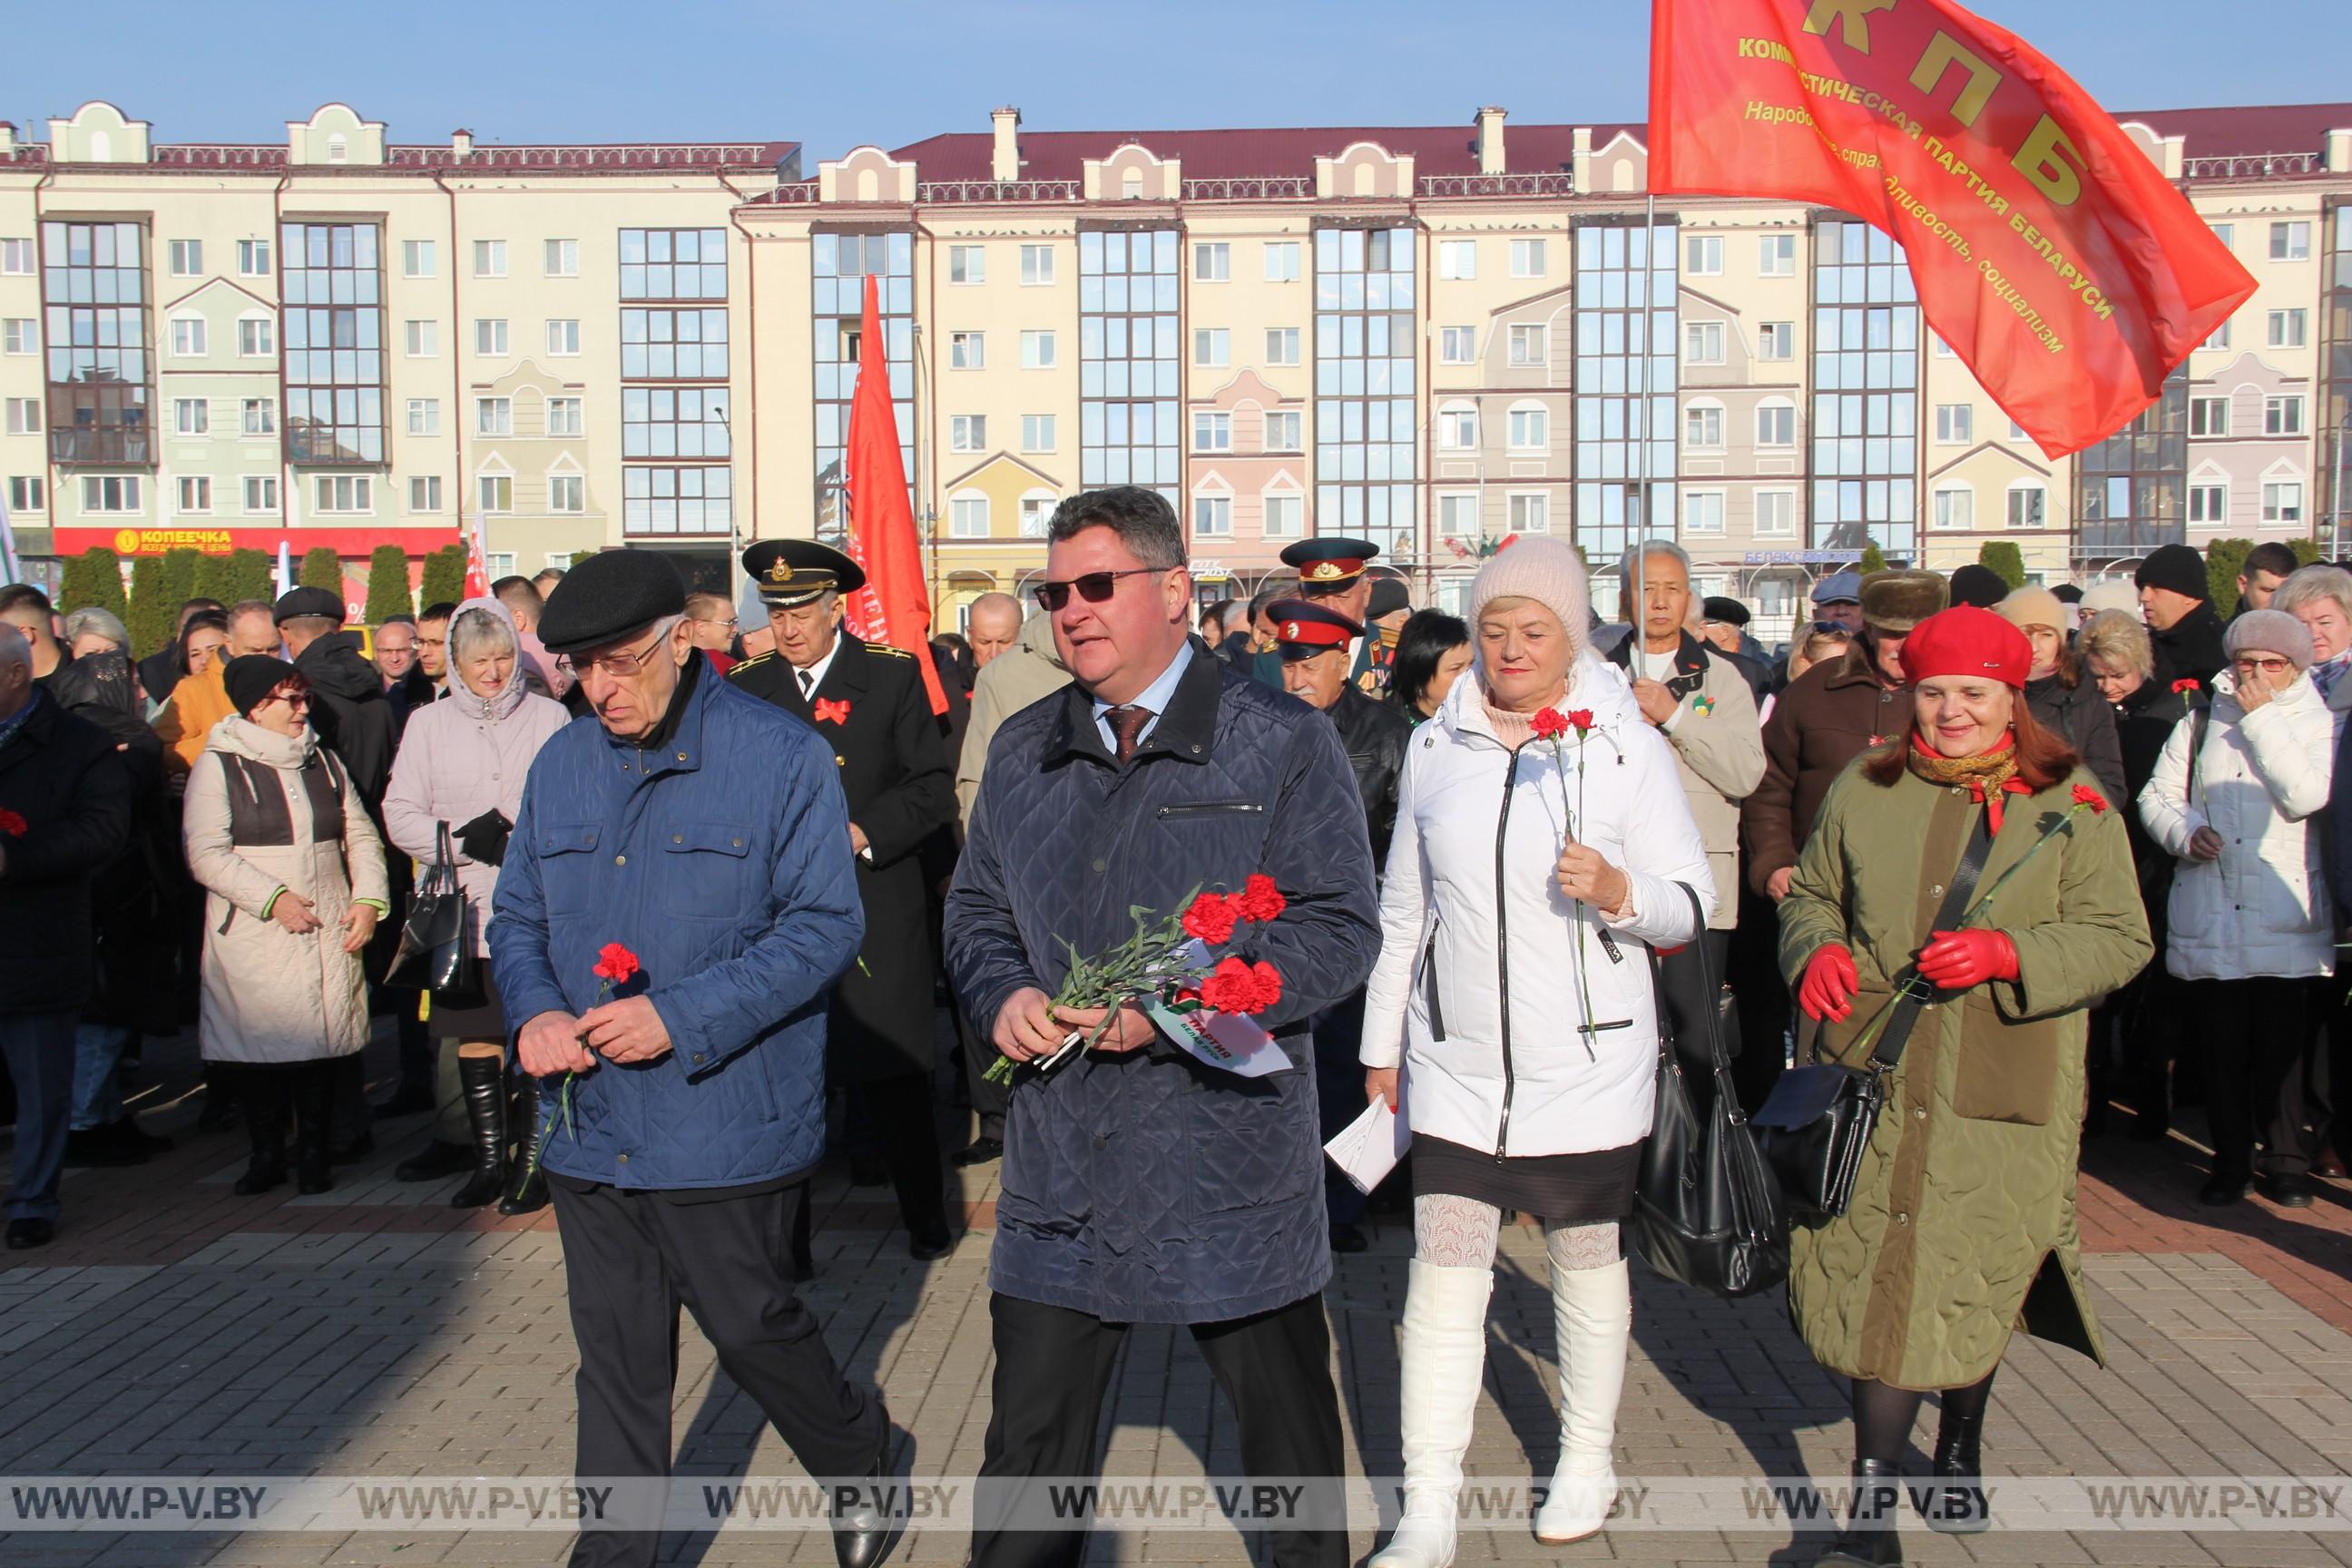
1368, 1148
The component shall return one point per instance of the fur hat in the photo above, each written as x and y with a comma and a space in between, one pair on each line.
2034, 607
1546, 570
1894, 601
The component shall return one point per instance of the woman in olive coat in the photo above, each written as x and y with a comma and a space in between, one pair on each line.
1963, 1222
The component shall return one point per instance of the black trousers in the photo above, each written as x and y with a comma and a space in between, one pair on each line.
899, 1112
1052, 1368
1338, 1033
2328, 1080
2258, 1035
631, 1259
1752, 962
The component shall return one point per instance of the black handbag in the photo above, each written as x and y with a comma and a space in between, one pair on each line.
1706, 1209
434, 955
1816, 1124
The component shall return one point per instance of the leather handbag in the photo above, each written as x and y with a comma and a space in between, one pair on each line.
434, 955
1815, 1126
1706, 1211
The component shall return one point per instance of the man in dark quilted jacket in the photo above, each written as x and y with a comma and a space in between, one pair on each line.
1139, 1185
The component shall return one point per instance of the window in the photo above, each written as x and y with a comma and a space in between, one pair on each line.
1530, 430
1037, 350
346, 492
2016, 431
423, 339
1285, 516
425, 493
1941, 349
111, 492
2282, 415
499, 563
1212, 432
1530, 513
968, 433
2209, 503
425, 416
967, 350
1526, 346
257, 337
490, 336
968, 517
2283, 503
24, 416
1457, 345
28, 492
417, 259
494, 492
1457, 259
1037, 433
260, 492
1703, 425
1213, 262
2209, 416
680, 264
562, 259
567, 492
489, 258
188, 258
1036, 512
1036, 266
1530, 258
1776, 514
674, 422
1368, 411
2290, 242
1863, 424
493, 416
2220, 340
2026, 505
330, 338
16, 258
562, 338
1212, 347
1775, 342
258, 416
1703, 257
1282, 345
2287, 329
1956, 508
1212, 517
188, 337
1457, 517
1776, 255
2227, 233
1703, 511
1776, 424
1702, 342
1282, 261
669, 345
1956, 424
195, 493
1284, 432
190, 417
1458, 429
16, 336
253, 259
967, 264
564, 417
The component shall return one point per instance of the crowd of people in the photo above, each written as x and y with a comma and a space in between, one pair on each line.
720, 886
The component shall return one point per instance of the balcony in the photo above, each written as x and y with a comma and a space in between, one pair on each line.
1252, 188
994, 191
2252, 166
121, 447
1542, 182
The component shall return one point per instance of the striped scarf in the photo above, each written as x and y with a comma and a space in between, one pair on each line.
1987, 777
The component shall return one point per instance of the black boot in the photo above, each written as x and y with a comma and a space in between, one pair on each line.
220, 1111
526, 1194
314, 1087
1868, 1540
1957, 1505
482, 1083
261, 1093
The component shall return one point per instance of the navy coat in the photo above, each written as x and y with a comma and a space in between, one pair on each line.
1145, 1187
722, 860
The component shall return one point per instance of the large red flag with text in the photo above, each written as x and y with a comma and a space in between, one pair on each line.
2048, 250
895, 605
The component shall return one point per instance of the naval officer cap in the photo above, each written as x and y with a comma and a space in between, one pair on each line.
608, 596
790, 573
1302, 629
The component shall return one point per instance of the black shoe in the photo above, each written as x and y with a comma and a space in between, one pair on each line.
929, 1249
111, 1145
868, 1171
526, 1194
2288, 1190
864, 1532
1868, 1540
408, 1100
978, 1151
1958, 1506
26, 1233
2222, 1191
313, 1175
482, 1084
352, 1152
804, 1270
262, 1172
434, 1161
219, 1113
1348, 1238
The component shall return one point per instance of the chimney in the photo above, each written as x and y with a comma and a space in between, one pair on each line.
2339, 153
461, 144
1004, 144
8, 138
1490, 141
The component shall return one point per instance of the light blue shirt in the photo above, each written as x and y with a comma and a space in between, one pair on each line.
1155, 697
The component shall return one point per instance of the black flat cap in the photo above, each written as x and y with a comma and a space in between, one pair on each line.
2067, 594
1978, 585
1731, 612
307, 602
607, 597
1389, 595
250, 677
793, 572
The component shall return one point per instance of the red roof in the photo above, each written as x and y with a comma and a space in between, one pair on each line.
2248, 130
1238, 154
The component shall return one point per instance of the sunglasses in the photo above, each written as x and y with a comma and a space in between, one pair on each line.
1095, 587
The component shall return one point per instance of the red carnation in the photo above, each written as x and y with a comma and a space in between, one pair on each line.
1212, 918
2187, 684
615, 963
1549, 725
2085, 796
1231, 987
1269, 986
11, 824
1259, 901
1582, 719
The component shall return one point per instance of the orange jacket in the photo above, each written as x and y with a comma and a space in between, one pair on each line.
185, 723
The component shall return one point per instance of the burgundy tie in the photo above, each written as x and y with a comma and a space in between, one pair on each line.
1127, 723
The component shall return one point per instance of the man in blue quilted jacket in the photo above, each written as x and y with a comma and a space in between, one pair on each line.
702, 830
1139, 1185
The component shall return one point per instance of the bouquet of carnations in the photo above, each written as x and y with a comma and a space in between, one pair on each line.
1168, 961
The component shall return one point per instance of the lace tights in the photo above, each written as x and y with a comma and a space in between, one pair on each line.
1463, 1233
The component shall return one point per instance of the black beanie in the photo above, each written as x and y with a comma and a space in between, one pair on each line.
251, 676
2177, 567
1978, 585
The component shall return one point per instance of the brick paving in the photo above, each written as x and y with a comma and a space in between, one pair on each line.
176, 1328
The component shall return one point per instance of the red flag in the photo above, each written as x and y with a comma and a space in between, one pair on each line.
2048, 251
478, 562
895, 606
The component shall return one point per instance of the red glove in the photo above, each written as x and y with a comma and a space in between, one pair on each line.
1827, 990
1956, 960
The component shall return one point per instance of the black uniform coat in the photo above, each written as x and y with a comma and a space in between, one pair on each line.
902, 790
1374, 734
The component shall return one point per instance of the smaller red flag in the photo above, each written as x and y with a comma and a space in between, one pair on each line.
895, 605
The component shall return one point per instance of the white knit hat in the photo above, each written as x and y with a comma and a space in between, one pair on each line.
1548, 571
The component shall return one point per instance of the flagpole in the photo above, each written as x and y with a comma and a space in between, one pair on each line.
1642, 453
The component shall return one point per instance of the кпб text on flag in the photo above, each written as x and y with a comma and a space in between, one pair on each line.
2048, 252
895, 605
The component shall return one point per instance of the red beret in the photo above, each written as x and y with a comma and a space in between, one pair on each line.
1967, 641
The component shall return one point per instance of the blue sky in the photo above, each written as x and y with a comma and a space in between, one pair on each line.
598, 71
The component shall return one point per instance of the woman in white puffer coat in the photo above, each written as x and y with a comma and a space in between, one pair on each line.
2252, 928
1514, 993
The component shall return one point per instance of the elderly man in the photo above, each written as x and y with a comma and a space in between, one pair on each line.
1332, 573
1139, 1184
993, 626
253, 629
1837, 601
676, 900
2177, 598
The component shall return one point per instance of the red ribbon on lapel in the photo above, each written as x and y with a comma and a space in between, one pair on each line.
829, 711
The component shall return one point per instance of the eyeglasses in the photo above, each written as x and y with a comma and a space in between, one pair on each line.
1095, 587
291, 699
615, 664
730, 622
2270, 667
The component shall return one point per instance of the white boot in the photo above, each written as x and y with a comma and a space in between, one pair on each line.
1444, 1360
1592, 1316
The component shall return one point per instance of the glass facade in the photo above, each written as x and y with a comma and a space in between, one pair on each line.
842, 263
1129, 360
1366, 367
674, 439
1627, 377
102, 362
2336, 385
2131, 490
333, 308
1865, 390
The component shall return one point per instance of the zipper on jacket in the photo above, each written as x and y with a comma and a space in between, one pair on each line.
1429, 984
1503, 953
1212, 808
